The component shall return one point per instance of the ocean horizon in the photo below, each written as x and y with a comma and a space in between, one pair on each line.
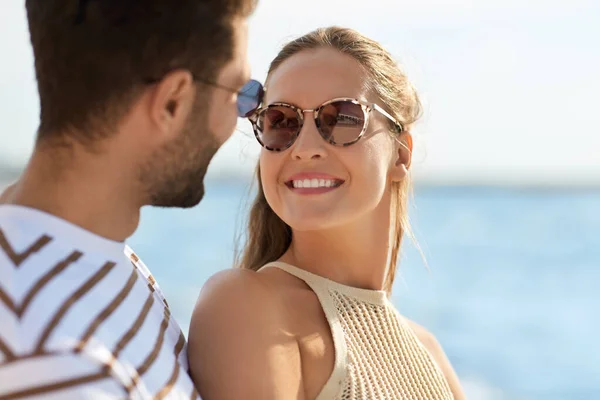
530, 182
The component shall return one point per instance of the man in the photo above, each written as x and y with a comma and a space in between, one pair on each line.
136, 97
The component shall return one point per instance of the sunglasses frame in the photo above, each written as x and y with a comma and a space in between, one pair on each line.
240, 93
366, 108
258, 98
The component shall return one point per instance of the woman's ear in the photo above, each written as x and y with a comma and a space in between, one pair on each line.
403, 157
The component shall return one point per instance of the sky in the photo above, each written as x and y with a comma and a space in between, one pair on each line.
511, 88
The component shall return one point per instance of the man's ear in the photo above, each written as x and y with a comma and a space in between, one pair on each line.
403, 157
172, 101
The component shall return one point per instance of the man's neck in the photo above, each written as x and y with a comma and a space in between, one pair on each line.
87, 191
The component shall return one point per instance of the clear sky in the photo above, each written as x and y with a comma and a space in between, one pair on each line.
511, 87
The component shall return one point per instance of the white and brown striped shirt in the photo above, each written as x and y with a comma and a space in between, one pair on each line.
81, 319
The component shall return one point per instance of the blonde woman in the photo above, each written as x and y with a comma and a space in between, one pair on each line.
307, 315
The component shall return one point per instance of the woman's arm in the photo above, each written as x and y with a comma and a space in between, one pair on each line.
238, 345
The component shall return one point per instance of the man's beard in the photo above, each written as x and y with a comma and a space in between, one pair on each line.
174, 175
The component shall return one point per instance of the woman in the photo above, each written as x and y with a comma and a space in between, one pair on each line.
307, 313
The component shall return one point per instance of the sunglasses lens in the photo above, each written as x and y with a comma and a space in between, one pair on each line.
341, 122
278, 127
249, 98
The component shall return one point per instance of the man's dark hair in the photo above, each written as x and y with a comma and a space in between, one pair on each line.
93, 57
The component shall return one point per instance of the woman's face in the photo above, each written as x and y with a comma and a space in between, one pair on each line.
354, 180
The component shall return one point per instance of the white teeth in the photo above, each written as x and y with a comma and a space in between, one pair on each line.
313, 183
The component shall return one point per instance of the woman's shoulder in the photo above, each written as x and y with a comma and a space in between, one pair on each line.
242, 291
233, 288
426, 338
434, 348
256, 303
236, 308
237, 332
233, 278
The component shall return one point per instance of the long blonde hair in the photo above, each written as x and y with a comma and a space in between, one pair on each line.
268, 237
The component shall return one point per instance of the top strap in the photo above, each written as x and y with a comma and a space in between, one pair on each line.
318, 283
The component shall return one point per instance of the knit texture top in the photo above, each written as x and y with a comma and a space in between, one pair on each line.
377, 354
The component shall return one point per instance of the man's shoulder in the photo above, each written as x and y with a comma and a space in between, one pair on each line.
68, 295
141, 267
89, 312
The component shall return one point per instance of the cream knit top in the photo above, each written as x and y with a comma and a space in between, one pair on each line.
377, 355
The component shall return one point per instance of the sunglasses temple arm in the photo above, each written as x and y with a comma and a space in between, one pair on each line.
388, 116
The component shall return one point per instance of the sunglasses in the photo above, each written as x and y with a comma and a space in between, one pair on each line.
249, 97
341, 122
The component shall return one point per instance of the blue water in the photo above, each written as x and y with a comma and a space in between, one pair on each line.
511, 289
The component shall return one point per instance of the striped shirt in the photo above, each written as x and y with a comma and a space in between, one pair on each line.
81, 317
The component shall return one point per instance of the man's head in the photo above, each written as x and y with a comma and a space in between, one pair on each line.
152, 82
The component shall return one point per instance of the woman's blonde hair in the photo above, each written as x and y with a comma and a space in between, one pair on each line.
268, 237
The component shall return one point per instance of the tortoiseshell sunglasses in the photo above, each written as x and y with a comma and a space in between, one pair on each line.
340, 121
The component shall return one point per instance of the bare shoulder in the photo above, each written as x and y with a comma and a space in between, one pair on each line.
238, 343
234, 298
427, 338
434, 347
234, 285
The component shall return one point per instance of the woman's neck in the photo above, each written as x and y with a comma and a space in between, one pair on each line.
354, 255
